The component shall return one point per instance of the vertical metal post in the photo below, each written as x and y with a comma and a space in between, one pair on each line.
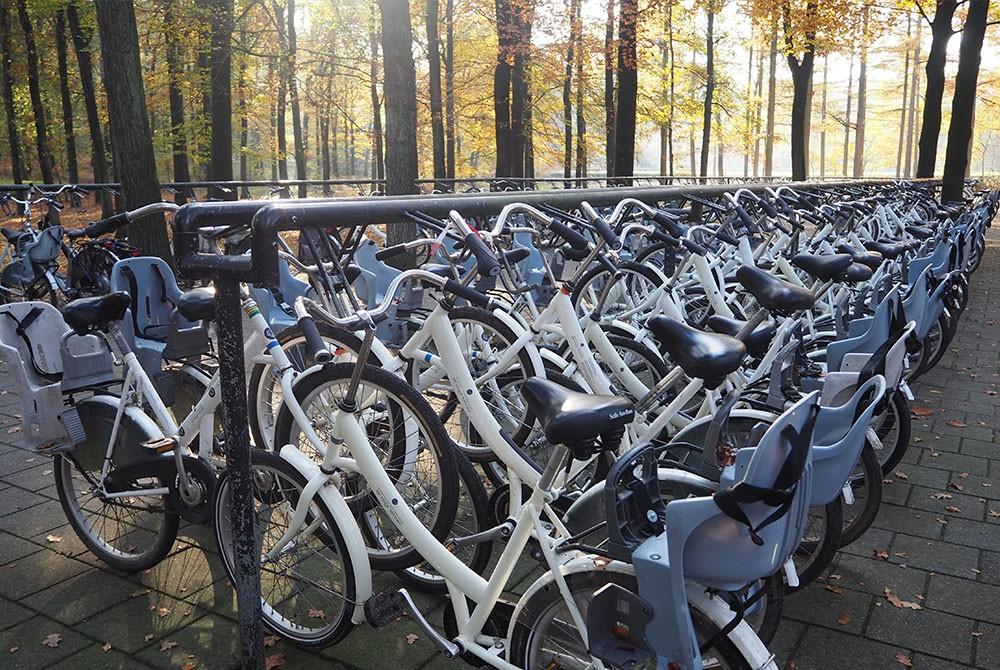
229, 322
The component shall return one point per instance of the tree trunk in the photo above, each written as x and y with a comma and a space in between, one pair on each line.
930, 127
906, 101
748, 116
847, 114
178, 139
963, 104
272, 76
910, 122
13, 137
771, 95
373, 37
434, 86
220, 167
758, 113
520, 101
567, 94
526, 126
859, 124
449, 88
98, 157
501, 89
301, 169
628, 89
822, 131
241, 105
609, 90
35, 91
400, 112
801, 68
283, 78
720, 148
706, 123
667, 130
581, 85
133, 146
67, 100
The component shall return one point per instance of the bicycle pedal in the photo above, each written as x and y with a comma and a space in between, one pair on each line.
384, 608
160, 445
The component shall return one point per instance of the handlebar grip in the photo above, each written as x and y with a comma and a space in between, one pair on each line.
486, 261
674, 227
768, 208
316, 349
107, 225
669, 240
469, 293
726, 237
694, 247
390, 252
575, 239
606, 232
745, 218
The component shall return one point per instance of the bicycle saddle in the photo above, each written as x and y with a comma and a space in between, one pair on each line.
872, 259
855, 272
572, 418
772, 293
197, 304
88, 314
706, 356
756, 342
823, 267
890, 250
920, 232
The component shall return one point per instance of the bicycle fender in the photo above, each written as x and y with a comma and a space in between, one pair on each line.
350, 531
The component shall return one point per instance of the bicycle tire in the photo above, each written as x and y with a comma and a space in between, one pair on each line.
867, 476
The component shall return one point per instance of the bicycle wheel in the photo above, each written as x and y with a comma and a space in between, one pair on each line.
407, 436
473, 516
546, 637
629, 290
867, 485
893, 429
264, 387
128, 533
307, 590
819, 542
484, 339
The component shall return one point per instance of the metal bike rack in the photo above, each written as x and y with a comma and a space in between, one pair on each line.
267, 219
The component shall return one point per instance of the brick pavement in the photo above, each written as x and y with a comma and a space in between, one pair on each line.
948, 562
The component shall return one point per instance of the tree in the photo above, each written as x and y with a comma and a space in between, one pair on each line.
221, 96
66, 98
13, 137
963, 104
706, 124
35, 91
449, 86
293, 98
400, 112
567, 87
930, 127
434, 84
82, 35
609, 88
801, 54
376, 104
130, 137
628, 89
771, 99
175, 66
859, 124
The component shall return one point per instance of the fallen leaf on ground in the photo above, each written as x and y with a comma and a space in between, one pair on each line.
270, 640
53, 538
412, 638
316, 614
921, 411
994, 514
963, 475
149, 637
957, 487
52, 640
844, 619
977, 633
274, 661
942, 496
881, 553
167, 645
13, 649
902, 475
904, 660
833, 589
957, 423
902, 554
106, 647
895, 601
190, 665
952, 509
941, 519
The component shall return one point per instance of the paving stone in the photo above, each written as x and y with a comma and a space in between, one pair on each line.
873, 576
12, 548
923, 630
968, 506
126, 625
824, 649
972, 533
210, 642
36, 572
34, 520
955, 462
845, 611
905, 520
14, 499
989, 563
31, 653
786, 641
95, 657
987, 646
927, 662
80, 597
965, 598
12, 614
935, 556
873, 538
33, 479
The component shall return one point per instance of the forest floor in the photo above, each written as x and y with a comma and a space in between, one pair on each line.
939, 557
